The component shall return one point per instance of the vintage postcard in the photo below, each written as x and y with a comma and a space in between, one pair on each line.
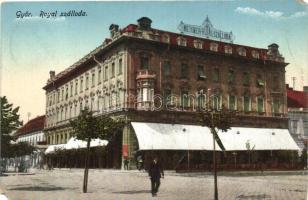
137, 100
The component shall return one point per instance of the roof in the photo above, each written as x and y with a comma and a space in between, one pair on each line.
297, 99
36, 124
173, 41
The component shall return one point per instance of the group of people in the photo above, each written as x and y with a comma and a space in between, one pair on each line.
155, 172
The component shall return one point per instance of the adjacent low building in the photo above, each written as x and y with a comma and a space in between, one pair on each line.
298, 115
158, 79
32, 133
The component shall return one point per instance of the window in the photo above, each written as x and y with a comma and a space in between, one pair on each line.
276, 106
76, 87
71, 90
106, 73
246, 79
166, 68
166, 38
81, 84
87, 82
167, 96
120, 67
232, 102
231, 76
241, 51
184, 71
80, 106
260, 104
255, 54
200, 73
216, 77
201, 99
247, 104
184, 98
62, 95
99, 76
276, 83
58, 96
66, 92
144, 62
228, 49
260, 81
112, 70
181, 41
93, 79
198, 44
216, 102
214, 46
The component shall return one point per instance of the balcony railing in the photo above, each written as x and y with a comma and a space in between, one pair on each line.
145, 74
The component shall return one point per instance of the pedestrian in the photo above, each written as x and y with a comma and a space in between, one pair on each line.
140, 162
155, 172
126, 161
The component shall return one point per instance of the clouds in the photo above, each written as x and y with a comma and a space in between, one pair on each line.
268, 13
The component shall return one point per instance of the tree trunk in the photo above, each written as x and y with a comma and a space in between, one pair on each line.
214, 166
85, 180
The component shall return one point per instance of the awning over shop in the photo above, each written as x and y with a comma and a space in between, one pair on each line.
53, 148
156, 136
240, 138
73, 143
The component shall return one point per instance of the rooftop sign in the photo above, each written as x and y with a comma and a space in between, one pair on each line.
206, 30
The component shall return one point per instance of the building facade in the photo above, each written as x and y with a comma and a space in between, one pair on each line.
298, 115
32, 133
151, 75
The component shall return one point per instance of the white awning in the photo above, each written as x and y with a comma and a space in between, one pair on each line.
73, 143
53, 148
156, 136
240, 138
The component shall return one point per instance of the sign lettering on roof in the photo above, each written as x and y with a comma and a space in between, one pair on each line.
206, 30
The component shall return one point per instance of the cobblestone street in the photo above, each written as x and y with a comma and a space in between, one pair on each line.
125, 185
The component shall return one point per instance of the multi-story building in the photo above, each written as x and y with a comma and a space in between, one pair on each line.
32, 133
298, 115
154, 76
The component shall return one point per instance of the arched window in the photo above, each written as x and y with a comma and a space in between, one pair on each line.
246, 103
232, 102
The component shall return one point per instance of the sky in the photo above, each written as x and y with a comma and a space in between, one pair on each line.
32, 46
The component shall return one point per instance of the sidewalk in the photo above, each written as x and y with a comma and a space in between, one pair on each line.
185, 174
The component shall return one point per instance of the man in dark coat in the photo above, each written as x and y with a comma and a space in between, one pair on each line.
155, 172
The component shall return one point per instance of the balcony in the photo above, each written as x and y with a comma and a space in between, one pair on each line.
145, 74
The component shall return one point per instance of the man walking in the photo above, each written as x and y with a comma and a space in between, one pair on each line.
155, 172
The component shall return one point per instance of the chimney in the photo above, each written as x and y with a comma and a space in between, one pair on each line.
113, 28
144, 23
52, 74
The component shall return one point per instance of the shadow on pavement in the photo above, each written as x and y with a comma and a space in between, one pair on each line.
253, 197
39, 188
133, 192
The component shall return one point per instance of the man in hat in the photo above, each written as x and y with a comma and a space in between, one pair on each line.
155, 172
